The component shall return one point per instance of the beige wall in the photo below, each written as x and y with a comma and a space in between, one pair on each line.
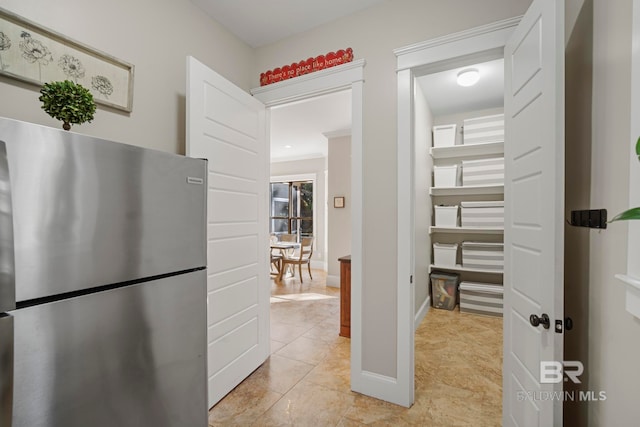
614, 334
156, 38
373, 34
339, 219
316, 167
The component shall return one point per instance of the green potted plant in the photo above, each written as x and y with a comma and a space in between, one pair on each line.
68, 102
633, 213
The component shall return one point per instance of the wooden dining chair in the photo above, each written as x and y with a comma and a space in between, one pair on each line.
276, 258
300, 256
286, 237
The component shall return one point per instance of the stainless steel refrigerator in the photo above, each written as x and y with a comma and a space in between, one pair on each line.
102, 282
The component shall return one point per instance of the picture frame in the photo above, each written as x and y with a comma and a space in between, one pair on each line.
36, 55
338, 202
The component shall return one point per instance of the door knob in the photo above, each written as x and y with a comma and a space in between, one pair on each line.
542, 320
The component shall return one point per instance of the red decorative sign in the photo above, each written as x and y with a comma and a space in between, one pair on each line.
310, 65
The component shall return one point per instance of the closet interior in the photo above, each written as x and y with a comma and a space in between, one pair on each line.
465, 169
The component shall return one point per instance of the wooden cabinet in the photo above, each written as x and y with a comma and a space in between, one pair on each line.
345, 296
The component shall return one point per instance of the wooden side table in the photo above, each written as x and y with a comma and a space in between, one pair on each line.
345, 296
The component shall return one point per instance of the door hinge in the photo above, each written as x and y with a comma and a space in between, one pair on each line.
411, 279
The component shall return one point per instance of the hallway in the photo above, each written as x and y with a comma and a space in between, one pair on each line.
305, 382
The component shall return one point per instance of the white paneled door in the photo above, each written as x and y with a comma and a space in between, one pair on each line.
227, 126
534, 211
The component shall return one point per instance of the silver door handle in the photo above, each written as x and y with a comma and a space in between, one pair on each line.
6, 370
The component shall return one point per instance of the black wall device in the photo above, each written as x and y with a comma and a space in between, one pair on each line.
595, 218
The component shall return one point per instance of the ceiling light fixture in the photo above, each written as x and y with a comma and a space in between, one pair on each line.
288, 146
468, 77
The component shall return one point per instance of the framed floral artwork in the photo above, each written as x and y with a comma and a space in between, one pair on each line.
37, 55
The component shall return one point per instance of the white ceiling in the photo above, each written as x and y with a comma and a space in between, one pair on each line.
446, 97
262, 22
303, 126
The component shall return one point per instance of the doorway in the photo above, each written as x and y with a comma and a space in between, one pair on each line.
310, 147
533, 48
347, 76
310, 165
446, 215
443, 104
415, 166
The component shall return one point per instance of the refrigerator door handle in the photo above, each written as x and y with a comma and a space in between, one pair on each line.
7, 261
6, 370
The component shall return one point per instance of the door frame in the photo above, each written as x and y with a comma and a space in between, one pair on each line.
413, 61
335, 79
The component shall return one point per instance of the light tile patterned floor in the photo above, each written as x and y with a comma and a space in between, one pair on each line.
305, 382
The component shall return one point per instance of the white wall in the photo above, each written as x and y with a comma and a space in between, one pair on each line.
423, 165
614, 345
156, 38
339, 219
373, 34
316, 166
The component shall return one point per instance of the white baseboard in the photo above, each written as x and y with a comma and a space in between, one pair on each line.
424, 309
333, 281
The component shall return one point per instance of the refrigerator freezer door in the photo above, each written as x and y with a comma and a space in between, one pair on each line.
132, 356
6, 369
89, 212
7, 273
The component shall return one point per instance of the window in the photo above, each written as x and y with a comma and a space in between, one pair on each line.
292, 208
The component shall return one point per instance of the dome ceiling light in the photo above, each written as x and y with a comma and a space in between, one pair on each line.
468, 77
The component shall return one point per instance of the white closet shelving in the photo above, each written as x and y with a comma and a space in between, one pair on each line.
465, 230
462, 151
460, 268
447, 155
469, 190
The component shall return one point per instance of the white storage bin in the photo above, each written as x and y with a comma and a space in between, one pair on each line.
444, 135
482, 214
444, 255
445, 176
446, 216
482, 130
483, 172
486, 256
481, 298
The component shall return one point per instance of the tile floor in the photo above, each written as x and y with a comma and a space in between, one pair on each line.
305, 382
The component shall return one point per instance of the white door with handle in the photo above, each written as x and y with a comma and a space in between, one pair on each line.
227, 126
534, 211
